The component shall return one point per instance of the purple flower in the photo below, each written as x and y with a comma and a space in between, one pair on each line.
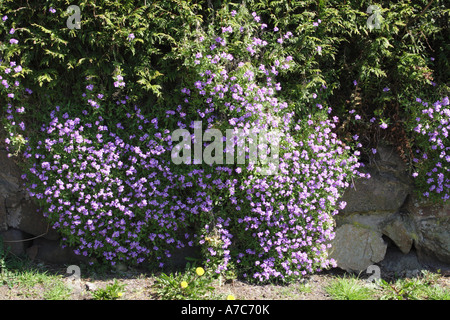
383, 125
13, 41
445, 101
119, 82
52, 10
131, 37
227, 29
255, 17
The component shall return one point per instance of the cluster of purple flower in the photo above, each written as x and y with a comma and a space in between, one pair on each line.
12, 89
113, 191
104, 194
269, 226
435, 126
289, 215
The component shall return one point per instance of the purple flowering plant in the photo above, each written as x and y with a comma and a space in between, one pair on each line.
13, 111
264, 226
431, 160
104, 176
102, 169
106, 181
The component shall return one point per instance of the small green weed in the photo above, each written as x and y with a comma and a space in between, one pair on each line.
112, 292
192, 284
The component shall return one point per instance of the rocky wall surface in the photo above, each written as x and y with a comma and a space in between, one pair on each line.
23, 229
384, 212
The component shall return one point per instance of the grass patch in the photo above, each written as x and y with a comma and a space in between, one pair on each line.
423, 287
23, 279
32, 283
349, 288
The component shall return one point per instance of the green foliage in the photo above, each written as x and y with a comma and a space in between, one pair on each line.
58, 59
3, 267
396, 56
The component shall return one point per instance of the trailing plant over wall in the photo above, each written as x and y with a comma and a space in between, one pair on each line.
94, 114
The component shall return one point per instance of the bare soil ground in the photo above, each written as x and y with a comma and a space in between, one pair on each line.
139, 286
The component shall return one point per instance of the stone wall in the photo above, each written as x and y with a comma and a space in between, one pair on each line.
23, 228
382, 214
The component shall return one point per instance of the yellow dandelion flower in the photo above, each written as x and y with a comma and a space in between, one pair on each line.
231, 297
200, 271
183, 284
119, 294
